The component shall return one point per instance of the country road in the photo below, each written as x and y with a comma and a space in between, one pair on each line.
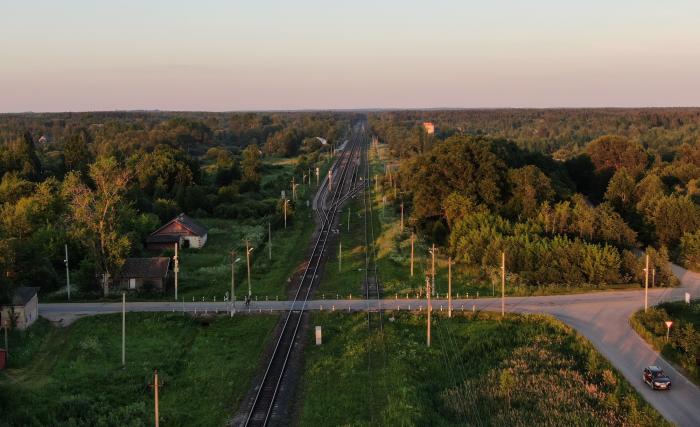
602, 317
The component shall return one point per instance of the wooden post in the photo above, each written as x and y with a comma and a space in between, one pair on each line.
233, 281
413, 238
503, 283
401, 216
348, 218
248, 250
285, 213
330, 180
155, 389
432, 252
269, 240
340, 256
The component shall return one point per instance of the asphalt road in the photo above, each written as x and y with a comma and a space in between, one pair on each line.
603, 317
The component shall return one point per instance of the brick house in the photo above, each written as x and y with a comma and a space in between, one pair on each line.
182, 230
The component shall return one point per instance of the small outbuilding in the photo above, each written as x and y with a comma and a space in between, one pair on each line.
143, 273
23, 311
181, 230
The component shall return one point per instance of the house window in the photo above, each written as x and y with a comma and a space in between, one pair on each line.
132, 283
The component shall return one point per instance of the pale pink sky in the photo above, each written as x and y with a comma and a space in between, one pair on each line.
78, 55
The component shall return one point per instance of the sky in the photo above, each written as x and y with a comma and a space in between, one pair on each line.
207, 55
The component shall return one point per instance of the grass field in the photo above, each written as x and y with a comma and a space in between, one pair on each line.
73, 376
683, 345
480, 370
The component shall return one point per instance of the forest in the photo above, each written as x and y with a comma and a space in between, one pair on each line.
571, 196
101, 182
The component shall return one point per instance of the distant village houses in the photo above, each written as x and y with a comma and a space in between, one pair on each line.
183, 230
23, 310
429, 128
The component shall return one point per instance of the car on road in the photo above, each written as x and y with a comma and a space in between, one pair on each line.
656, 378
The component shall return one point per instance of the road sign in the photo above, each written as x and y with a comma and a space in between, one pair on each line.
668, 324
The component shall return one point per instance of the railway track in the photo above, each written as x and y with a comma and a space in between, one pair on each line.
345, 175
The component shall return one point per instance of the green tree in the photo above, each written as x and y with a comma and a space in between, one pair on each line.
621, 191
529, 187
98, 214
251, 164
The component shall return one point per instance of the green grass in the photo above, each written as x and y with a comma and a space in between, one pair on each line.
480, 370
683, 345
73, 376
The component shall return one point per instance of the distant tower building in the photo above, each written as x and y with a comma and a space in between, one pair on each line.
429, 127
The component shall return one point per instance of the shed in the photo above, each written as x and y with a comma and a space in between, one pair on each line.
140, 273
182, 230
23, 310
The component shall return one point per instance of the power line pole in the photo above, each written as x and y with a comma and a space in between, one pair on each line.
449, 287
67, 272
503, 283
248, 250
413, 238
646, 285
234, 260
340, 256
155, 390
432, 252
348, 218
123, 328
286, 201
269, 240
176, 268
330, 180
653, 277
430, 307
401, 216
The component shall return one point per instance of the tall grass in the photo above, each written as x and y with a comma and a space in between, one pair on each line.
480, 370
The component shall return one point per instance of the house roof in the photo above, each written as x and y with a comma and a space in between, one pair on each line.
186, 222
23, 295
163, 238
146, 267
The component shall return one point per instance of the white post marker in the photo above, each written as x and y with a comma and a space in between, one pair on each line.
668, 328
687, 297
319, 335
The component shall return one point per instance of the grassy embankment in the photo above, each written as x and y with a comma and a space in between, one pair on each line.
683, 345
394, 250
73, 376
480, 370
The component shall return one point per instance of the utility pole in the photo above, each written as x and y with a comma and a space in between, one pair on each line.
269, 240
430, 307
646, 285
401, 216
653, 277
67, 272
123, 328
340, 256
176, 268
413, 239
248, 250
348, 218
294, 190
318, 175
449, 287
286, 201
432, 252
503, 283
155, 390
330, 180
234, 260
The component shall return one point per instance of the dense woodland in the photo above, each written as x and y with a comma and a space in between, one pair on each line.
101, 182
571, 196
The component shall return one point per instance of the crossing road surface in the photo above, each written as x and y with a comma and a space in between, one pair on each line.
603, 317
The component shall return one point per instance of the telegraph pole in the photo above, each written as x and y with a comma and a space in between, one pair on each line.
234, 260
330, 180
155, 389
348, 218
413, 238
269, 240
248, 250
432, 252
653, 277
340, 256
294, 190
430, 308
286, 201
401, 216
67, 272
123, 328
176, 269
449, 287
646, 284
503, 283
